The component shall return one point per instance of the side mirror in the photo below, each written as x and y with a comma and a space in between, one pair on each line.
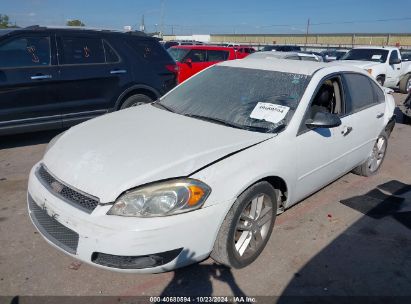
395, 61
323, 120
189, 61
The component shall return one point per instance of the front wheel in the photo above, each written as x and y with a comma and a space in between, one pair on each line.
135, 100
376, 158
405, 84
247, 227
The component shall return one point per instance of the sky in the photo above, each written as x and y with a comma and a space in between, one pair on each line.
185, 17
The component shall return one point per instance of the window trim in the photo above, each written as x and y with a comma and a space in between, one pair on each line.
14, 37
114, 50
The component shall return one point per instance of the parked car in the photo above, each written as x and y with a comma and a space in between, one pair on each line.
287, 55
192, 59
383, 63
243, 51
53, 78
169, 44
219, 157
281, 48
333, 54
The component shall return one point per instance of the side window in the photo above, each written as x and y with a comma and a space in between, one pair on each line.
25, 52
148, 50
378, 93
111, 55
217, 55
360, 91
82, 50
394, 55
328, 98
197, 55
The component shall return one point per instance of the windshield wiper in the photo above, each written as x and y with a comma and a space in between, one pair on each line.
157, 103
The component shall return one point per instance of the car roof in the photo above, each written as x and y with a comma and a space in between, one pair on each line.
202, 47
77, 29
388, 48
287, 66
279, 55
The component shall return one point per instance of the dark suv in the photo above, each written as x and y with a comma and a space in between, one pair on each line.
55, 78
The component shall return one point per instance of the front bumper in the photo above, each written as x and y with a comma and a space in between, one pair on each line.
172, 241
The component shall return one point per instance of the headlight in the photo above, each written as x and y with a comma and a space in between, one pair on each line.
53, 141
162, 199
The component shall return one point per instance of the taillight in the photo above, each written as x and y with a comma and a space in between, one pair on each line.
172, 68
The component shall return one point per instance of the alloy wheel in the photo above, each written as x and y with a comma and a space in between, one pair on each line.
253, 226
377, 154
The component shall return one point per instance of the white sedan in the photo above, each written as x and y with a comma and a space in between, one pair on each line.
206, 169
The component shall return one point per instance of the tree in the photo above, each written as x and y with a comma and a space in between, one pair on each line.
5, 22
75, 22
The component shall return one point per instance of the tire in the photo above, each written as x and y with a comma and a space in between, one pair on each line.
135, 100
405, 84
239, 227
374, 162
380, 80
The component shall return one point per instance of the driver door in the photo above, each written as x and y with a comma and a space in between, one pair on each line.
322, 151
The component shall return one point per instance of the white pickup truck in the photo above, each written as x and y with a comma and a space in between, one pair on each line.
383, 63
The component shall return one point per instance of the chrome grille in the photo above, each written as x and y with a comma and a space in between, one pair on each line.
55, 232
82, 201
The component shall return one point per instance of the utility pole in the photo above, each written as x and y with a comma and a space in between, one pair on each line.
306, 34
142, 25
162, 18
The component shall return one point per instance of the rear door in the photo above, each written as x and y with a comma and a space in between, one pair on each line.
91, 73
364, 116
28, 82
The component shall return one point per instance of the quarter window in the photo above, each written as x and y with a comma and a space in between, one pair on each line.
148, 50
360, 91
25, 52
79, 50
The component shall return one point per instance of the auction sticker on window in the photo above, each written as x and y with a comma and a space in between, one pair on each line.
270, 112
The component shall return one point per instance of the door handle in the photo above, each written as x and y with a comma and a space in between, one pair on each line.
346, 131
118, 71
40, 77
379, 115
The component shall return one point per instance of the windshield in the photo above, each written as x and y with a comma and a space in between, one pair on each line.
178, 54
255, 100
376, 55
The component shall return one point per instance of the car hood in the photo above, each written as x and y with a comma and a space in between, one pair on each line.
359, 63
108, 155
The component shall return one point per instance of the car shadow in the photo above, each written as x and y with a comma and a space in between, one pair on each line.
370, 258
196, 279
27, 139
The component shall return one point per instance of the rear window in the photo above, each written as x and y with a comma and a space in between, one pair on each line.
111, 55
149, 50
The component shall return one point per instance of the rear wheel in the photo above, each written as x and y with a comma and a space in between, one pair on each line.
375, 160
135, 100
247, 227
405, 84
